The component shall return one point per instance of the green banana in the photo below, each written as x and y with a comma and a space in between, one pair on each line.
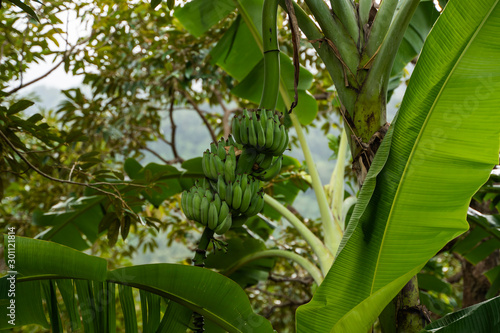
224, 226
184, 204
213, 147
283, 141
217, 201
221, 187
266, 162
235, 128
276, 138
256, 205
205, 163
196, 207
246, 160
255, 184
230, 166
219, 165
271, 172
244, 131
213, 216
209, 194
261, 135
213, 168
252, 135
243, 178
260, 158
246, 199
269, 133
204, 207
232, 142
237, 195
229, 193
277, 117
223, 211
221, 150
263, 119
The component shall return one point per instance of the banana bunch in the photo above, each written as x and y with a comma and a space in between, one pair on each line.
243, 195
261, 130
271, 169
202, 205
220, 159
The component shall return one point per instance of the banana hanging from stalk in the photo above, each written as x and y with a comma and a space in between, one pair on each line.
261, 130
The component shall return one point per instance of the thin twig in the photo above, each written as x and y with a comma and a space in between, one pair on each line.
174, 127
200, 113
156, 154
40, 172
66, 55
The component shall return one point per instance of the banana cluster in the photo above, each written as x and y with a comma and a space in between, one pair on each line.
233, 169
220, 159
244, 196
261, 130
203, 205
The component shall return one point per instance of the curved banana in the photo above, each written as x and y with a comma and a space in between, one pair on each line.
243, 131
256, 205
283, 142
266, 162
252, 135
246, 199
205, 163
221, 187
277, 137
269, 133
230, 166
271, 172
235, 128
213, 216
204, 207
213, 167
209, 194
223, 211
219, 165
213, 147
197, 207
221, 149
184, 204
237, 195
224, 226
259, 132
229, 193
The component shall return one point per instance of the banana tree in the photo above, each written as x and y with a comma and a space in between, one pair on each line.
418, 175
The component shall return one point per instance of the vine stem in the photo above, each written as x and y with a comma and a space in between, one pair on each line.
325, 257
303, 262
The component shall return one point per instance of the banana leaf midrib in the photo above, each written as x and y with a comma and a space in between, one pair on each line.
417, 140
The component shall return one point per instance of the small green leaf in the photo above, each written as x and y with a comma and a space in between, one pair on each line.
19, 106
155, 3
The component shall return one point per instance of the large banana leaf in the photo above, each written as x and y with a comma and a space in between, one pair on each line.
482, 317
39, 263
440, 150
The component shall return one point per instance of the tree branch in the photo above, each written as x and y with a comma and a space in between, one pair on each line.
93, 186
65, 56
174, 128
200, 113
